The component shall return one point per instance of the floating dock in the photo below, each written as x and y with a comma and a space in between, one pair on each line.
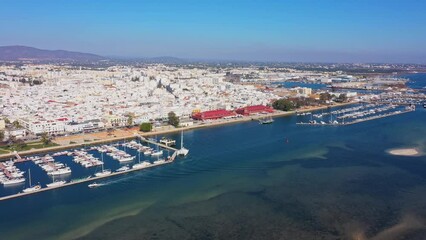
85, 180
356, 120
156, 143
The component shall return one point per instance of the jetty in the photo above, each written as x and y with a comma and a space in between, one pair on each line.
358, 120
89, 179
155, 143
169, 160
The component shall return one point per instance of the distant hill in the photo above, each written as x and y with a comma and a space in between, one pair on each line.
23, 53
166, 59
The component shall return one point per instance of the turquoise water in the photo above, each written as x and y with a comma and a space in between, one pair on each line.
244, 181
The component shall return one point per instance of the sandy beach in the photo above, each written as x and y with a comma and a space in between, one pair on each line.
412, 152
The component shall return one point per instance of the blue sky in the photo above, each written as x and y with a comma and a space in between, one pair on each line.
292, 30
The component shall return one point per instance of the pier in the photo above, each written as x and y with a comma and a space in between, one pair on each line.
156, 143
85, 180
357, 120
94, 178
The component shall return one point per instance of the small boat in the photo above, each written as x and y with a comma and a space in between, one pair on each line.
103, 173
55, 184
31, 188
157, 153
95, 185
13, 181
159, 161
168, 142
123, 169
141, 165
61, 171
266, 120
126, 159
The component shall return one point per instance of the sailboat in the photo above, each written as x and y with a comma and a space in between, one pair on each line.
140, 164
103, 172
31, 189
54, 183
182, 151
158, 152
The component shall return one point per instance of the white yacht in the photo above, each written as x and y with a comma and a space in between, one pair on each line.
159, 161
143, 164
126, 159
13, 181
55, 184
157, 153
182, 151
105, 172
60, 171
31, 188
123, 169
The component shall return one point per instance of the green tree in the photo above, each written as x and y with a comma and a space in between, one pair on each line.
145, 127
12, 139
6, 120
130, 120
283, 105
45, 138
16, 124
342, 98
173, 119
1, 136
21, 144
325, 97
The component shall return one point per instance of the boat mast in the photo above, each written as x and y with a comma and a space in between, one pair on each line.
102, 159
181, 139
29, 175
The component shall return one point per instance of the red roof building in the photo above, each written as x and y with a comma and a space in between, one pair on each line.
214, 114
254, 109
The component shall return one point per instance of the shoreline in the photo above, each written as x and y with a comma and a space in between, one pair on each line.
6, 156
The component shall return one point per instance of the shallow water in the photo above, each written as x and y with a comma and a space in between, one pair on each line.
245, 181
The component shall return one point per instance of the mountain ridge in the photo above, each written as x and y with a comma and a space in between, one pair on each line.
25, 53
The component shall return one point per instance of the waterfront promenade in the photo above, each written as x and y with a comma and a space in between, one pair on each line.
83, 140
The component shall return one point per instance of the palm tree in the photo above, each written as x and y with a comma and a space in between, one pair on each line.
45, 138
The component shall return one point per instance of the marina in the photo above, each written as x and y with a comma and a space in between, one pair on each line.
356, 114
84, 157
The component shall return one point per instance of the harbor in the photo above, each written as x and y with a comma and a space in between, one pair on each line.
322, 156
352, 115
131, 156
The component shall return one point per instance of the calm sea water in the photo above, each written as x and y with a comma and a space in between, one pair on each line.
302, 84
245, 181
417, 81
